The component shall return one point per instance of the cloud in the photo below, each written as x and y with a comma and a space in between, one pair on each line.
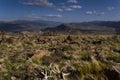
40, 3
59, 9
53, 16
76, 6
89, 13
34, 16
64, 9
47, 3
110, 8
69, 8
100, 13
31, 16
72, 1
94, 13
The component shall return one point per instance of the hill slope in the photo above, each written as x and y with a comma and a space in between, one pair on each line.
88, 27
84, 27
24, 25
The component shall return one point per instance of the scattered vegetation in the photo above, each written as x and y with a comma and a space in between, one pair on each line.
49, 56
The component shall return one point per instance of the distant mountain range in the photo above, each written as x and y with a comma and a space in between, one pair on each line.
88, 27
83, 27
26, 25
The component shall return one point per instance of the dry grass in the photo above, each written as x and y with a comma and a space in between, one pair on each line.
89, 55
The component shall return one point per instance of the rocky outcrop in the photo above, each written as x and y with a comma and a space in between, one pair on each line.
113, 73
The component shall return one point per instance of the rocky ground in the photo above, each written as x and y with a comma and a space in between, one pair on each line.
50, 56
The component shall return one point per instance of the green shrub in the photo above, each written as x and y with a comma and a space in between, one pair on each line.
85, 56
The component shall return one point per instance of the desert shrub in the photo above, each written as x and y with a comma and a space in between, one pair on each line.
4, 76
95, 68
82, 67
9, 41
114, 58
9, 68
85, 56
67, 48
85, 68
75, 42
97, 42
13, 69
37, 61
116, 49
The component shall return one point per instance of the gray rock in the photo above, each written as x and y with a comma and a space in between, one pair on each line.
113, 73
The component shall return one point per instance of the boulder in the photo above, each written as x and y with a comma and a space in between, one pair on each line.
113, 73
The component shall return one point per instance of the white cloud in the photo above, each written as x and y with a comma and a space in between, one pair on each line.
110, 8
46, 3
41, 3
33, 16
100, 13
72, 1
89, 13
53, 16
68, 9
63, 8
76, 6
59, 9
94, 13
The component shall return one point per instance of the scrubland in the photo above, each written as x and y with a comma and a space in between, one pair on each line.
51, 56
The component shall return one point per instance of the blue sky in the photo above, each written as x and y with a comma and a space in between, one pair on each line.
60, 10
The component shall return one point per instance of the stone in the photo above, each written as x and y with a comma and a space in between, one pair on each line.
113, 73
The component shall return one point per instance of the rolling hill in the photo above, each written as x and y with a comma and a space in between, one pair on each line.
83, 27
88, 27
26, 25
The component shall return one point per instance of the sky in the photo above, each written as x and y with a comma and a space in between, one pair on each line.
60, 10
